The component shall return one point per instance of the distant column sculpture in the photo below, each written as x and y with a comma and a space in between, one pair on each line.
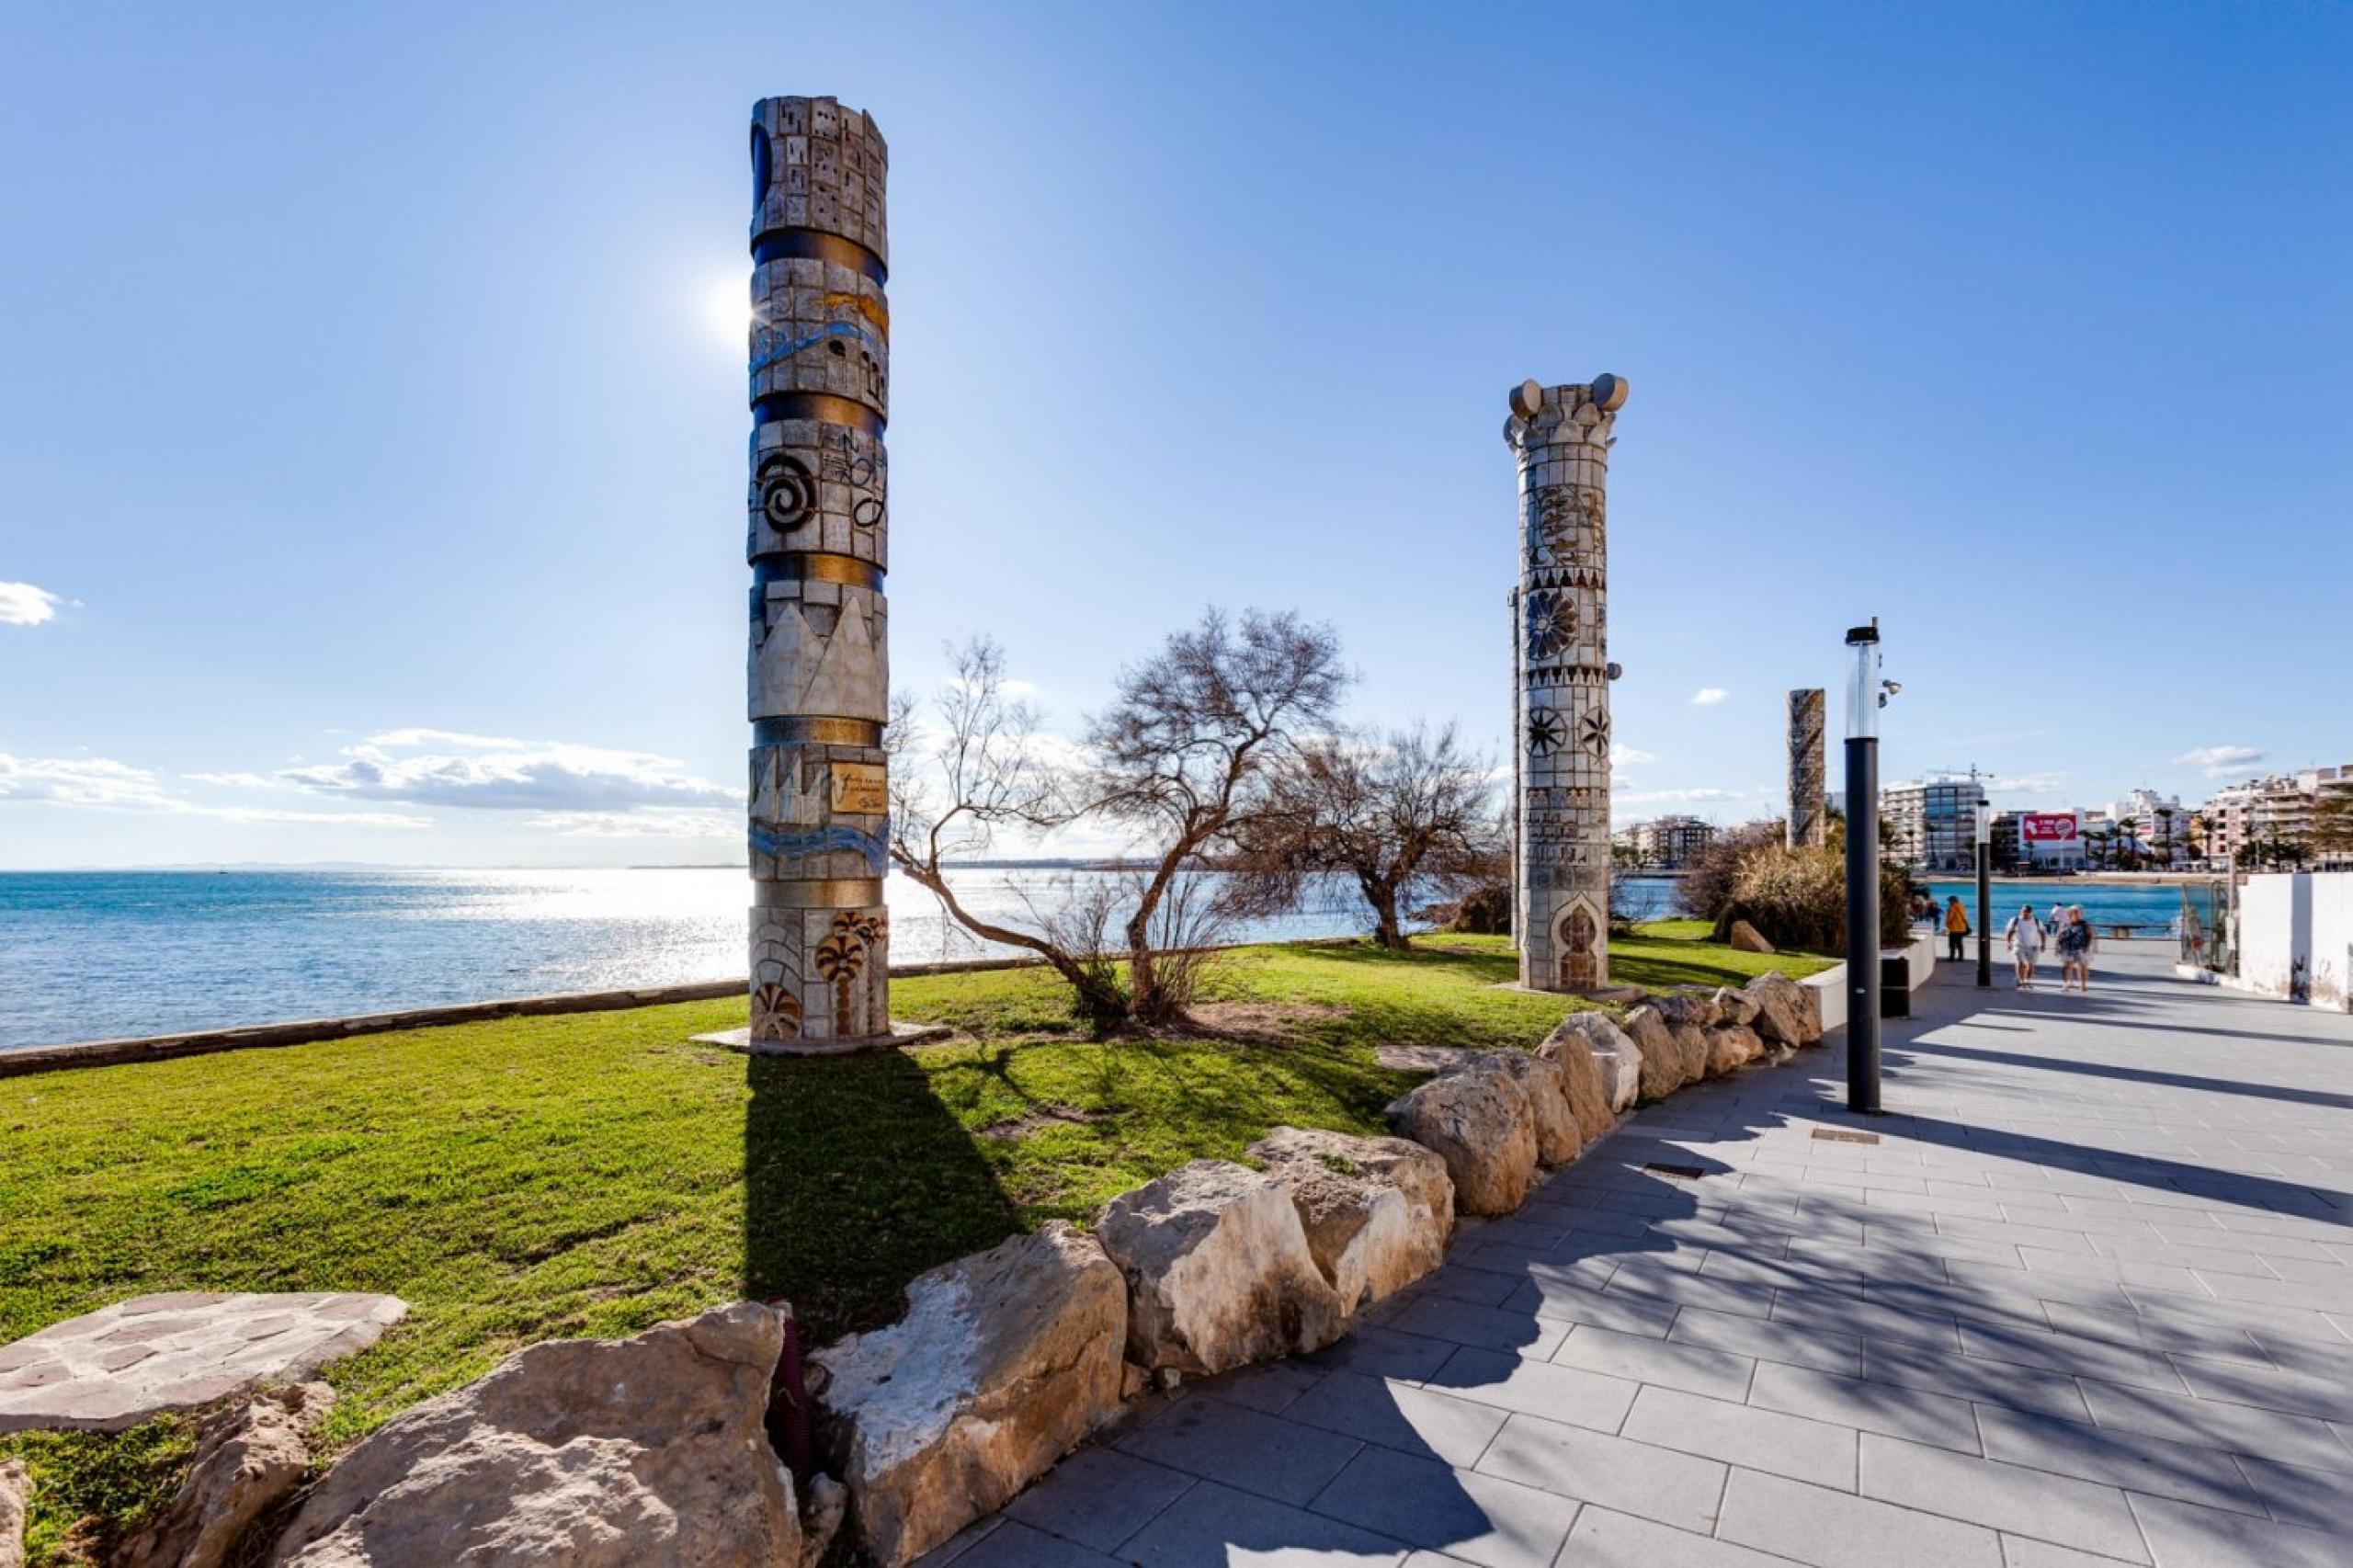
1808, 825
1561, 436
819, 527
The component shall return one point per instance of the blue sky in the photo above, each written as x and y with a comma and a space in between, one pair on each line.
371, 440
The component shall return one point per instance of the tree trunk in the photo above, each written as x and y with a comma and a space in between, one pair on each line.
1387, 929
1097, 1000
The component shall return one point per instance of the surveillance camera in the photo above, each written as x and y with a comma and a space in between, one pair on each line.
1892, 687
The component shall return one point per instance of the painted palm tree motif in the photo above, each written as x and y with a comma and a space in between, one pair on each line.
1551, 623
839, 958
775, 1013
1546, 732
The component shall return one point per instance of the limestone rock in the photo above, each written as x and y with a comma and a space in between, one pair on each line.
1376, 1210
1691, 1045
1690, 1006
1782, 1008
1587, 1075
581, 1453
1810, 1014
1732, 1047
178, 1350
1483, 1127
1005, 1362
248, 1458
16, 1499
1733, 1006
1615, 1054
1557, 1139
822, 1513
1218, 1268
1662, 1072
1747, 939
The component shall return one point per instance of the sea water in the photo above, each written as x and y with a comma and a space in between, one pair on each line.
95, 955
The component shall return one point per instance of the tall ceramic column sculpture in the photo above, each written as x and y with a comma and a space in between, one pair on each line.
1808, 825
1562, 437
819, 501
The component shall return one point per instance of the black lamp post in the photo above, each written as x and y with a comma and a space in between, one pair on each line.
1984, 893
1864, 699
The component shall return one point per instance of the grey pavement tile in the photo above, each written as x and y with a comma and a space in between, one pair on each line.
1640, 1359
2010, 1233
2208, 1259
2215, 1341
960, 1543
2072, 1355
2295, 1494
1548, 1296
1825, 1350
1380, 1352
2240, 1428
1016, 1545
1806, 1310
2087, 1515
1976, 1380
1098, 1497
1592, 1467
2186, 1536
1868, 1406
1798, 1271
1400, 1416
1837, 1529
2323, 1295
1603, 1538
1536, 1388
2330, 1269
1479, 1287
1744, 1435
1998, 1283
1270, 1386
2025, 1552
1477, 1518
1492, 1328
1647, 1283
2133, 1460
2101, 1266
1217, 1526
2327, 1395
1283, 1460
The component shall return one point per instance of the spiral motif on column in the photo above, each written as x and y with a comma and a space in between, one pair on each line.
787, 491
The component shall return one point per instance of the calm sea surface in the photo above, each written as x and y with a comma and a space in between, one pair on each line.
95, 955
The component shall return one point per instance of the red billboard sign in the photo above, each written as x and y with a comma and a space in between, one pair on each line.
2049, 827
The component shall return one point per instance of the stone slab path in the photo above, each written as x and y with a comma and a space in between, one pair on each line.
114, 1368
2087, 1300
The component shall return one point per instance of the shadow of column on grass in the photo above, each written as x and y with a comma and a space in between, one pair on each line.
855, 1180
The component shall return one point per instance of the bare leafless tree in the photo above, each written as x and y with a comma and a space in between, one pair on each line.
1409, 811
1179, 758
1184, 755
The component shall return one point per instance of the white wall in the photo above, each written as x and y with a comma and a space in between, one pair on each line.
2292, 920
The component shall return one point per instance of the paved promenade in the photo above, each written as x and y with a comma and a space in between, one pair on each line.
2087, 1300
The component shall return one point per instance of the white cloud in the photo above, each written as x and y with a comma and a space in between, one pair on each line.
99, 783
1623, 755
2218, 761
2028, 783
445, 767
650, 823
1708, 696
235, 780
21, 604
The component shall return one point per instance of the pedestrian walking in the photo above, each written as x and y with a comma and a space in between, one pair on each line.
2024, 935
2076, 943
1956, 927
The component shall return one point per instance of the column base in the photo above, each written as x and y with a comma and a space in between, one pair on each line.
1612, 993
902, 1034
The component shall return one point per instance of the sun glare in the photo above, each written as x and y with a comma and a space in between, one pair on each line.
729, 307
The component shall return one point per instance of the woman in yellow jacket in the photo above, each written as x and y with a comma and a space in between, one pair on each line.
1956, 927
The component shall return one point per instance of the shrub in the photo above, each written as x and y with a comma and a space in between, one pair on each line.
1798, 899
1706, 888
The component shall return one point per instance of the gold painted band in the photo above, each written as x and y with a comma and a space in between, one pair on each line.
814, 730
840, 892
824, 566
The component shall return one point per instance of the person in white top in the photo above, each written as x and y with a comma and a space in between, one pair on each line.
2024, 935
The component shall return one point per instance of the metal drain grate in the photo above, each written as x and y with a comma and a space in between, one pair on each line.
1680, 1173
1833, 1135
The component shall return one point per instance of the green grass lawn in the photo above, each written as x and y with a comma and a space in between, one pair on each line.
593, 1174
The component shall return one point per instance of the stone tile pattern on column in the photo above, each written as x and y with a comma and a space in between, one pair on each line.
818, 543
1809, 824
2089, 1300
115, 1368
1561, 436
